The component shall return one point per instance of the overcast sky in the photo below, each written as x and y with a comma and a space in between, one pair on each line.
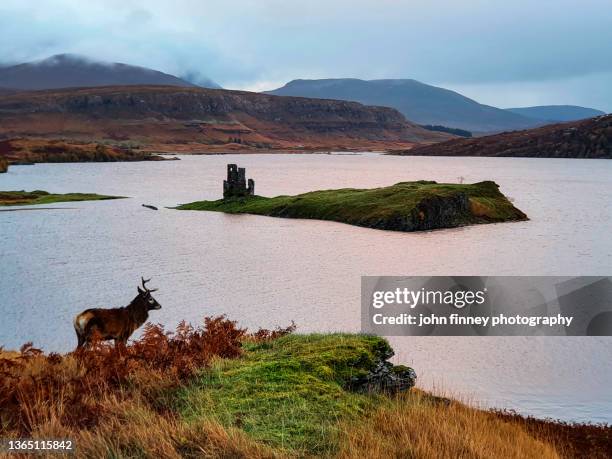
504, 53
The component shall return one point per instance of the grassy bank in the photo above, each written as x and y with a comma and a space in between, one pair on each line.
289, 393
406, 206
220, 391
26, 198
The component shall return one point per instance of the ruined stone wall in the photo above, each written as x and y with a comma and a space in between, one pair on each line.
236, 185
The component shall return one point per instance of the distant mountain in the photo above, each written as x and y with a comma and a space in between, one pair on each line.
558, 113
419, 102
590, 138
69, 70
205, 119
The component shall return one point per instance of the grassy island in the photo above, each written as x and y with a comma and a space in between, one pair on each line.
220, 391
405, 206
26, 198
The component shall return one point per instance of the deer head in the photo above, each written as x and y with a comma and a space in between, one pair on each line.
145, 294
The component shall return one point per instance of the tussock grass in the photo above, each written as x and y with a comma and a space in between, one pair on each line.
417, 425
132, 429
405, 206
123, 404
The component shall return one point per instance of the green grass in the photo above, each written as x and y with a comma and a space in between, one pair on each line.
23, 198
405, 206
291, 392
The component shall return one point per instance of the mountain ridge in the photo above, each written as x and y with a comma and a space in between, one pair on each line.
557, 113
72, 70
419, 102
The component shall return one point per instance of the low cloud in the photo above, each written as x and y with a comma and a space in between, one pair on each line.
249, 43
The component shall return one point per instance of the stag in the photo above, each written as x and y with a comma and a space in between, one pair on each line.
117, 323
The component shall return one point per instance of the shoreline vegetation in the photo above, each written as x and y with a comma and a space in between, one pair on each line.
221, 391
405, 206
27, 151
27, 198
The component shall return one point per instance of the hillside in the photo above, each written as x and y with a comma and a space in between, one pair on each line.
69, 70
590, 138
559, 113
219, 391
419, 102
198, 119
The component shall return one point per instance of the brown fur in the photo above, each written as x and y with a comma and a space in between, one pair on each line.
117, 323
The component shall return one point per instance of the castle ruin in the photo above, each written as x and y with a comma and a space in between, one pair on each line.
236, 185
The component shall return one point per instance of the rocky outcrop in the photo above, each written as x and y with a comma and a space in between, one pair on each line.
591, 138
3, 164
432, 212
384, 377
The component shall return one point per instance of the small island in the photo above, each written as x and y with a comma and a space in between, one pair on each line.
405, 206
26, 198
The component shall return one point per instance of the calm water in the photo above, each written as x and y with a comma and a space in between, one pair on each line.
265, 272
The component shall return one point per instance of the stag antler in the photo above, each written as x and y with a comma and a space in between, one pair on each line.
144, 281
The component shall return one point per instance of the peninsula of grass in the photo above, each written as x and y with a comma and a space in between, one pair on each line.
27, 198
290, 393
219, 391
405, 206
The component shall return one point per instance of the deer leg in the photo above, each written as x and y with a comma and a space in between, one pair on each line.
120, 345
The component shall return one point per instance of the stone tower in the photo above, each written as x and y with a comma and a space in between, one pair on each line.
236, 185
